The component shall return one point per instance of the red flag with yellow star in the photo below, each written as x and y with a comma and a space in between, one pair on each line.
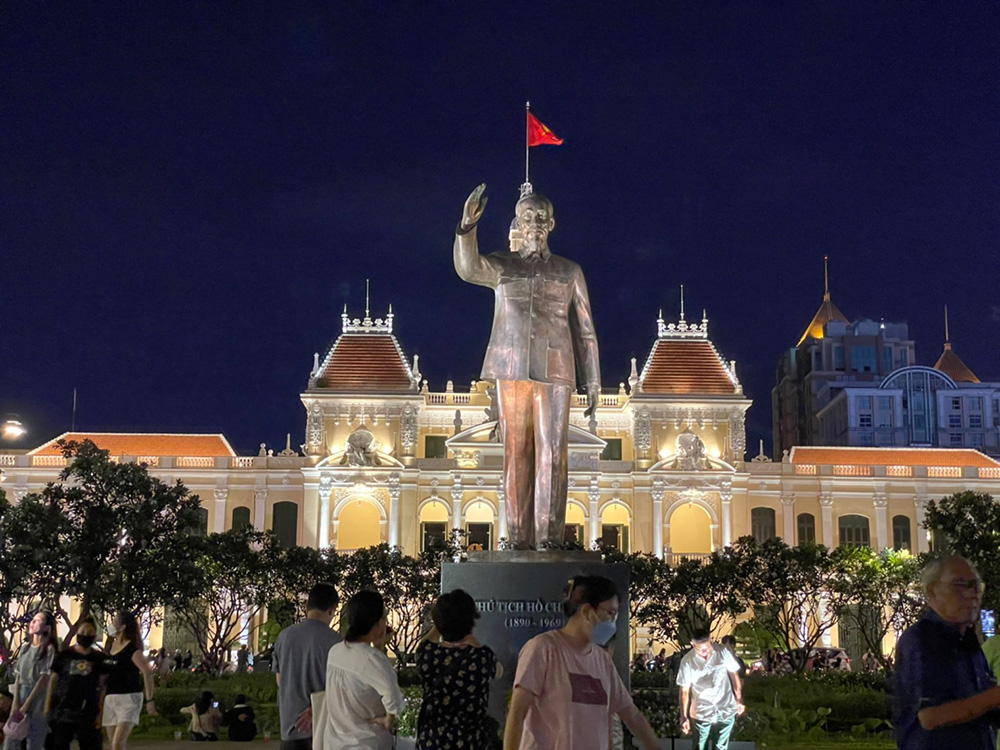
539, 133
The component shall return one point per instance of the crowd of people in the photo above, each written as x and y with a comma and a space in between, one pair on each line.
340, 692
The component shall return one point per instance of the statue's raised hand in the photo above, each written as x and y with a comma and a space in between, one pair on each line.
475, 204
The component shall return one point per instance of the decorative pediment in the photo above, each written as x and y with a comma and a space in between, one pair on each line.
675, 462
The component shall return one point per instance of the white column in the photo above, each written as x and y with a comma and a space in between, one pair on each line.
259, 504
657, 495
727, 515
594, 496
394, 493
881, 503
788, 515
502, 505
325, 490
220, 510
456, 502
826, 640
826, 506
713, 531
922, 534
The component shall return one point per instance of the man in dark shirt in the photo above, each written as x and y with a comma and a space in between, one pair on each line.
945, 696
73, 701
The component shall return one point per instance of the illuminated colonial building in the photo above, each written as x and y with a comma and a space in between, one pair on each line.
663, 469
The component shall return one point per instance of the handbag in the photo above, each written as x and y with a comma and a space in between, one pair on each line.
17, 729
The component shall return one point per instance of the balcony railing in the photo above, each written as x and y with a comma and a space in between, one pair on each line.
673, 559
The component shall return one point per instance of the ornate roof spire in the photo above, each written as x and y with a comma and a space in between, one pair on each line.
950, 363
827, 310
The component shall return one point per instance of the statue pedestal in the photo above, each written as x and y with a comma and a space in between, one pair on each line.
520, 594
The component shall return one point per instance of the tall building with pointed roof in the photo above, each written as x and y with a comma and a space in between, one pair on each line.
831, 353
950, 363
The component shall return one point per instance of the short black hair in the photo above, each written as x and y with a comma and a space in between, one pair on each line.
728, 639
700, 635
323, 597
454, 615
362, 613
240, 698
592, 590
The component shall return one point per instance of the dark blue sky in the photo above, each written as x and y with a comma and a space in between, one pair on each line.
189, 192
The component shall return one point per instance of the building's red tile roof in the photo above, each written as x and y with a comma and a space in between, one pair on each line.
145, 444
823, 456
684, 367
365, 362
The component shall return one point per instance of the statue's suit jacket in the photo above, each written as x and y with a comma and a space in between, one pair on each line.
541, 315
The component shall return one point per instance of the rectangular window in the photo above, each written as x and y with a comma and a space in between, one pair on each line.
838, 358
431, 532
886, 359
955, 439
974, 404
885, 403
573, 533
613, 450
902, 357
863, 359
955, 421
976, 421
956, 404
976, 439
434, 446
864, 402
867, 438
615, 535
480, 536
864, 420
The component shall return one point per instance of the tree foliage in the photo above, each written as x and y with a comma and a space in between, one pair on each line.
649, 577
239, 572
879, 593
968, 524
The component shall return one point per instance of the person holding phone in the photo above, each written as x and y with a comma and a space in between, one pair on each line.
205, 718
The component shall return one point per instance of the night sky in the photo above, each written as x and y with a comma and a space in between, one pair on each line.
190, 192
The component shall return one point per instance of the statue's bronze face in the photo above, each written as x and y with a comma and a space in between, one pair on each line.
535, 220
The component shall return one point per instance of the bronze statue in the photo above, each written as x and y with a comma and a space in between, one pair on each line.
541, 316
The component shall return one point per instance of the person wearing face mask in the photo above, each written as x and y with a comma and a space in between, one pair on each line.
73, 700
34, 661
711, 693
566, 687
362, 697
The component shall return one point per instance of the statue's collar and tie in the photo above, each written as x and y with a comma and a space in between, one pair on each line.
528, 255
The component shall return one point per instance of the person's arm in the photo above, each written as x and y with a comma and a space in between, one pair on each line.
147, 680
469, 264
585, 342
639, 727
48, 694
520, 702
737, 683
685, 701
15, 703
39, 690
960, 711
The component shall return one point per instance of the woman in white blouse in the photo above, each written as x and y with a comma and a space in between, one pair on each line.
362, 693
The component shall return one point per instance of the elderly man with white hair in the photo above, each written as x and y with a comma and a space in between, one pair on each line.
945, 695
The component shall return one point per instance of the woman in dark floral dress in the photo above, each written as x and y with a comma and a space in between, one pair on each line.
455, 671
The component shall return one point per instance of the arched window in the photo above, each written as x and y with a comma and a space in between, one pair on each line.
575, 525
807, 529
286, 524
762, 524
241, 517
854, 531
479, 526
202, 527
615, 527
901, 532
359, 525
433, 524
690, 530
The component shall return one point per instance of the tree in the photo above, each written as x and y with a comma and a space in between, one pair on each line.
649, 577
409, 585
124, 537
704, 594
795, 594
239, 576
879, 592
968, 524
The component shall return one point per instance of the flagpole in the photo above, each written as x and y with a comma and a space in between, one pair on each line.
527, 150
